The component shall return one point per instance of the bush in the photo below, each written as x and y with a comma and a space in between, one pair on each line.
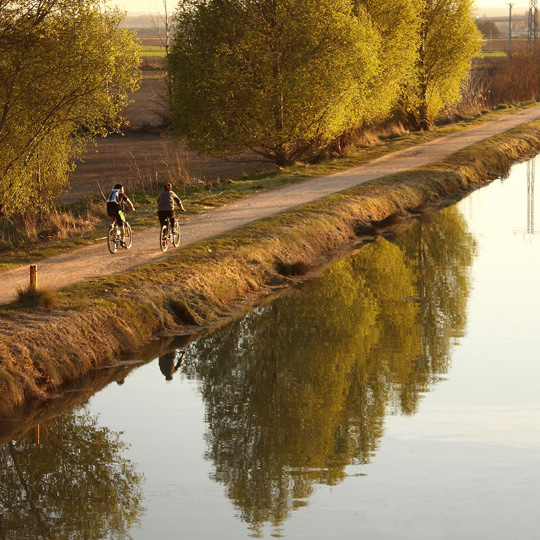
36, 298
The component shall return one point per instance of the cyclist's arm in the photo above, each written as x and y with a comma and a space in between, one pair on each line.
179, 203
130, 204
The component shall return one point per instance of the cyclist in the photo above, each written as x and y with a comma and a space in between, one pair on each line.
115, 204
165, 201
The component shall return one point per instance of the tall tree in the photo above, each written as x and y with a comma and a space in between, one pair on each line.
281, 77
397, 23
449, 40
65, 69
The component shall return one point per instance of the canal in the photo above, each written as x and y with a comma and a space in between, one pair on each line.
396, 395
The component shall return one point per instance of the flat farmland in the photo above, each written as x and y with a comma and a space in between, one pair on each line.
146, 152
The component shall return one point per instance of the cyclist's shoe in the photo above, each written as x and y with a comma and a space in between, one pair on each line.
123, 244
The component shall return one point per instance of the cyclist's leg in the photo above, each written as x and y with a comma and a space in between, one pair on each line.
162, 215
120, 222
112, 211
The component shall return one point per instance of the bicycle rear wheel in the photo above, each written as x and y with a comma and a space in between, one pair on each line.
128, 235
112, 240
164, 238
176, 235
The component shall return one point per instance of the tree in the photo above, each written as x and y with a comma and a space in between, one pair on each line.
294, 394
449, 40
488, 28
397, 25
77, 484
281, 77
65, 69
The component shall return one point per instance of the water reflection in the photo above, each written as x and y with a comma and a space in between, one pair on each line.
74, 484
294, 393
298, 390
531, 173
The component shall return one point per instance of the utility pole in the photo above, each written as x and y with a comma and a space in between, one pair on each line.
510, 5
533, 26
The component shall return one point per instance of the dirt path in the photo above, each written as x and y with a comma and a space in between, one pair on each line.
93, 261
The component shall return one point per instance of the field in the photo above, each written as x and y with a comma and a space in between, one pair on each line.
145, 152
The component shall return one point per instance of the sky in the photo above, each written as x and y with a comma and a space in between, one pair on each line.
487, 7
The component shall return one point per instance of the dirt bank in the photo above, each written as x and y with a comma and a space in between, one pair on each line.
95, 322
94, 261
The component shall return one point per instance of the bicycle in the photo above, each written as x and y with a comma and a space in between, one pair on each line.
114, 237
168, 235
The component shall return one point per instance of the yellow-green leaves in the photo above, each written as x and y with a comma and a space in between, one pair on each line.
65, 68
282, 77
449, 40
286, 78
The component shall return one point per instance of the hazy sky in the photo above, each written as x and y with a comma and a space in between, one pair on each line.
152, 6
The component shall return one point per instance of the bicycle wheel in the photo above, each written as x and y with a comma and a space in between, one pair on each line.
164, 238
128, 235
176, 235
112, 240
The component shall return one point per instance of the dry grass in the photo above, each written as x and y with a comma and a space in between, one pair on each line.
36, 298
170, 166
205, 284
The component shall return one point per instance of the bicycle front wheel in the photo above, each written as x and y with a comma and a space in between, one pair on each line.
112, 240
128, 235
164, 238
176, 235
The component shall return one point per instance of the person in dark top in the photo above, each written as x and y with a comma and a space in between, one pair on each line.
166, 200
115, 202
167, 364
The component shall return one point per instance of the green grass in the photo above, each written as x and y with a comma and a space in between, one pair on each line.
152, 50
229, 190
150, 54
493, 54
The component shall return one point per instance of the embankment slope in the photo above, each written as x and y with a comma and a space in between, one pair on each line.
94, 261
96, 321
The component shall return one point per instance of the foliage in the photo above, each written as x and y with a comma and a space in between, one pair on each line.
280, 77
449, 40
289, 79
488, 28
76, 484
397, 25
65, 69
294, 394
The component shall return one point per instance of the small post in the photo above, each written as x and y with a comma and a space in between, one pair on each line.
33, 276
37, 435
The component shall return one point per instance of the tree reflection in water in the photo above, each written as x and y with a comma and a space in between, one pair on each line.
298, 390
74, 485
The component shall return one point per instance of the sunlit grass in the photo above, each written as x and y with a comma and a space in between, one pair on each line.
493, 54
228, 190
207, 283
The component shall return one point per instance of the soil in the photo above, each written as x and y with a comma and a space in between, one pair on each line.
145, 152
93, 261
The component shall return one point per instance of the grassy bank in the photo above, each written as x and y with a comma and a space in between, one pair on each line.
91, 324
82, 223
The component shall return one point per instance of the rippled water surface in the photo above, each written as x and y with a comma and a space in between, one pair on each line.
395, 396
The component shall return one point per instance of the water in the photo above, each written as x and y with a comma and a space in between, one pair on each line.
395, 396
